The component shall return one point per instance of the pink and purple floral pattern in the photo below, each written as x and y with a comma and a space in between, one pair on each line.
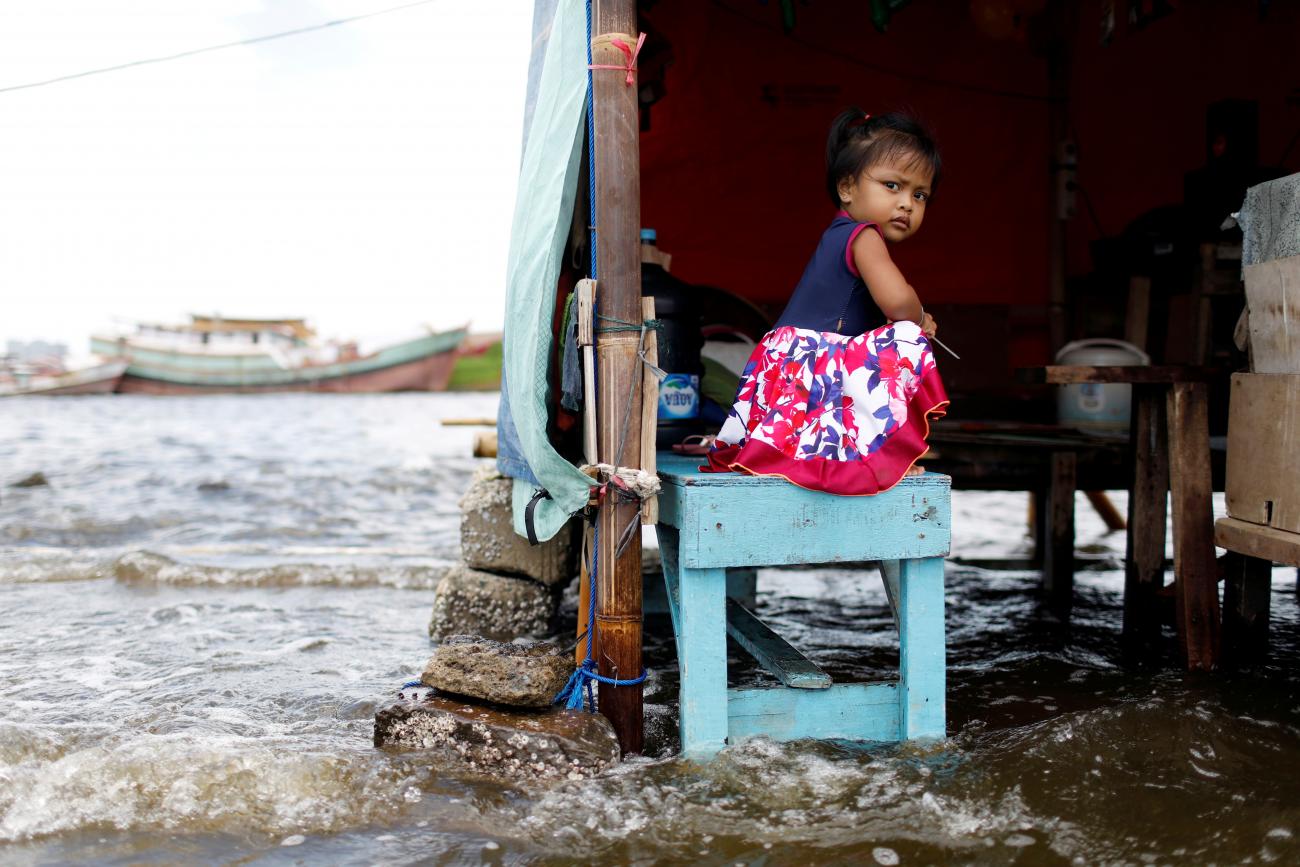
831, 412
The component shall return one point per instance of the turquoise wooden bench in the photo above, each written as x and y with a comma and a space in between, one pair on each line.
711, 522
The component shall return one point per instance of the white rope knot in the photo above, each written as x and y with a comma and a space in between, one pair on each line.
643, 483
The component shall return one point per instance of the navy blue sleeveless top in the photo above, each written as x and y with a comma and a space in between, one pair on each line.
831, 295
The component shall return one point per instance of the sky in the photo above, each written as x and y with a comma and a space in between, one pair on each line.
361, 176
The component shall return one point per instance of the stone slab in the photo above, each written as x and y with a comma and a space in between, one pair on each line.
527, 674
500, 607
514, 746
488, 540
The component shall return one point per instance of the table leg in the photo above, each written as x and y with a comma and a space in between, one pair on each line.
1195, 576
1058, 564
1148, 504
922, 651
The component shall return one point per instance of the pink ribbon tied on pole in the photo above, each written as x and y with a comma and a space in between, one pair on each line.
628, 52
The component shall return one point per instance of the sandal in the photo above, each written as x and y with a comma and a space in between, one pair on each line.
695, 444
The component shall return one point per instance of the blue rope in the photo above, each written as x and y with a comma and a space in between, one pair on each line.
411, 683
580, 682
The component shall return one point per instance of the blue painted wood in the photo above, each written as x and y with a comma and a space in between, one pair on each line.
852, 711
672, 581
712, 521
730, 519
742, 585
772, 651
922, 653
702, 660
889, 576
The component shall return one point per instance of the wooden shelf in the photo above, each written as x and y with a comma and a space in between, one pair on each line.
1256, 540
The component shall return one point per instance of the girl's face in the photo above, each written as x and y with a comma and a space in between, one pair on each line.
892, 194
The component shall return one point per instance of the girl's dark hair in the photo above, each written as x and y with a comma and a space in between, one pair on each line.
857, 141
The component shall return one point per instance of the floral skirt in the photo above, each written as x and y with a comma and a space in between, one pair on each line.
846, 415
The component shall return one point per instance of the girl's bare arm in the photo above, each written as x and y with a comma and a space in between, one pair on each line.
889, 289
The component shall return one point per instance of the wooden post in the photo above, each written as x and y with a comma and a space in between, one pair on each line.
1148, 506
1058, 560
618, 297
1195, 576
1247, 583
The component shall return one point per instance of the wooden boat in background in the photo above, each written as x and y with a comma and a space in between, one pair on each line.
212, 355
99, 379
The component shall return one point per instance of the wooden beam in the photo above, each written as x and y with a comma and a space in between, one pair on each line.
618, 299
772, 651
1195, 575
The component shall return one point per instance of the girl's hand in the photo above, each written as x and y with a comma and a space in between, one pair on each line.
928, 326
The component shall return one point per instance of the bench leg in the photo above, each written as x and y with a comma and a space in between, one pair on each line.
698, 600
922, 656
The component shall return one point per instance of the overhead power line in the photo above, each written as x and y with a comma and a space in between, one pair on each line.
250, 41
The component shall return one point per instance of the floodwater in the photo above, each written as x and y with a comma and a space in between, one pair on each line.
202, 610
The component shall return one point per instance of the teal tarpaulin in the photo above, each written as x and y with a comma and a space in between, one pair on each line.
548, 179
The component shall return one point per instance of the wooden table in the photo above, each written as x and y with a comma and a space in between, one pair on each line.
1047, 461
1170, 437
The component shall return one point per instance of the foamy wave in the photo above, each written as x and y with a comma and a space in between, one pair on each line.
41, 567
146, 567
197, 784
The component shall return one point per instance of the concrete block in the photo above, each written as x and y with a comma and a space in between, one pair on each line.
488, 540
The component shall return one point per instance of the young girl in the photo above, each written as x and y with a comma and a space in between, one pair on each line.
838, 396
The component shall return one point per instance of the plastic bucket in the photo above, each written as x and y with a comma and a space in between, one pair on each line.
1096, 407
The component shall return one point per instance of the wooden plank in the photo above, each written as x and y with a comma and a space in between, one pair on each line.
922, 650
722, 527
1273, 299
1247, 587
1254, 540
1195, 575
1072, 374
1148, 504
1058, 559
772, 651
649, 410
1263, 483
851, 711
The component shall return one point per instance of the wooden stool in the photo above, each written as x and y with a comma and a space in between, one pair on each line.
709, 522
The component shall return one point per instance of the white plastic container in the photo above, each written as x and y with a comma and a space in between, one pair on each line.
1094, 407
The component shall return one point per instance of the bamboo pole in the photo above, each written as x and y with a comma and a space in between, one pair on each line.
618, 297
